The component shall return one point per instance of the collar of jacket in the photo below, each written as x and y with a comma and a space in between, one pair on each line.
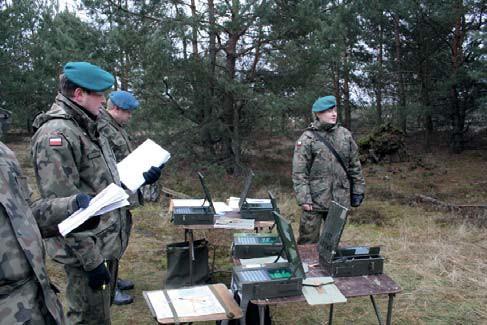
79, 115
319, 126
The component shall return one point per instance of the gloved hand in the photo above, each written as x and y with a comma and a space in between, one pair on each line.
356, 200
152, 175
82, 200
98, 277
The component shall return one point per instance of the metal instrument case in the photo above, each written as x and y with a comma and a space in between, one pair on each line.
345, 261
258, 249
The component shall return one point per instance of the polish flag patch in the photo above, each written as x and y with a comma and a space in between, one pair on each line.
55, 141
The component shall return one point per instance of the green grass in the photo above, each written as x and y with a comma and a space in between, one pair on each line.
441, 267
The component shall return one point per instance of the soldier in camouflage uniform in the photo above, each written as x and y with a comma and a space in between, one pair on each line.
69, 156
120, 106
26, 295
317, 175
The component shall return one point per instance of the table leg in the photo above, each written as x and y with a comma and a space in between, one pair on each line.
376, 309
191, 255
330, 315
389, 308
244, 303
261, 314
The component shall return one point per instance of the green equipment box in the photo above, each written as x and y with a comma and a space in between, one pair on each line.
276, 279
202, 215
347, 261
251, 245
259, 211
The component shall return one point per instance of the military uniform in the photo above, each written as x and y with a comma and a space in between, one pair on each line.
26, 296
319, 178
69, 157
119, 141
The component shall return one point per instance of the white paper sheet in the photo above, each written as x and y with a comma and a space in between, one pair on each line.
111, 198
159, 304
140, 160
196, 301
233, 202
189, 203
326, 293
221, 208
234, 223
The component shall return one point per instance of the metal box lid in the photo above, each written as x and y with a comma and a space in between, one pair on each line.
207, 193
332, 231
290, 246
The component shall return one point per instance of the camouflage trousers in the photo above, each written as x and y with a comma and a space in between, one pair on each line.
85, 305
310, 226
25, 305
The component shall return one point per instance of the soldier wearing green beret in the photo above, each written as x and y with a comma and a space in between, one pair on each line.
318, 176
70, 156
112, 124
26, 294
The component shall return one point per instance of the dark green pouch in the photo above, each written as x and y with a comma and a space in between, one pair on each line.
178, 264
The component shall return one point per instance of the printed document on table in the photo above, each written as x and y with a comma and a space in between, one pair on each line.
159, 304
195, 301
111, 198
140, 160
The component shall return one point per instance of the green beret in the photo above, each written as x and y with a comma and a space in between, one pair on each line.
88, 76
324, 103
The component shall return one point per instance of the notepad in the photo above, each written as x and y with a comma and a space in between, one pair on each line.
132, 167
111, 198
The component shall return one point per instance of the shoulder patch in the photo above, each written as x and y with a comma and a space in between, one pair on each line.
55, 141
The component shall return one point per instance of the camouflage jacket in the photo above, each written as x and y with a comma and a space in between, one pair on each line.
318, 177
119, 141
24, 285
70, 157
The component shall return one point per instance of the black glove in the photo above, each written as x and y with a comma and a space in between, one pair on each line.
356, 200
82, 200
152, 175
98, 277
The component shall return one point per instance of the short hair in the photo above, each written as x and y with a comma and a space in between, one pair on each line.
67, 87
110, 105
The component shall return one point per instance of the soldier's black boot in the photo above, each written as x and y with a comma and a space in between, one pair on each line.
122, 298
124, 284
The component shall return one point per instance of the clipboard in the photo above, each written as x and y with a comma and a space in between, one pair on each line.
221, 293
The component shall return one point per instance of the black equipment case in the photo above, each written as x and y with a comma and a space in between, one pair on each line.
345, 261
203, 215
261, 211
276, 279
252, 245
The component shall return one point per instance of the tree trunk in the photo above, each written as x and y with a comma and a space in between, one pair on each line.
457, 110
400, 77
194, 28
336, 89
378, 85
346, 91
426, 101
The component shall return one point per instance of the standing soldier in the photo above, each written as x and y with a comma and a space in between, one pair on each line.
26, 295
319, 176
120, 106
70, 156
